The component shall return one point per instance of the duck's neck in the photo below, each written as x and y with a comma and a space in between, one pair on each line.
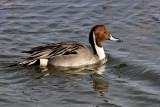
99, 50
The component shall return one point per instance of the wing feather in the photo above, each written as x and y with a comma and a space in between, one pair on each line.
52, 50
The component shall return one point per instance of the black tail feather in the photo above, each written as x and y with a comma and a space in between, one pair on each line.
25, 63
13, 65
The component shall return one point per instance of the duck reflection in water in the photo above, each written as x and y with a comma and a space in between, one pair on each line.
74, 74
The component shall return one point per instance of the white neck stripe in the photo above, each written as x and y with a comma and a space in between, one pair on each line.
99, 50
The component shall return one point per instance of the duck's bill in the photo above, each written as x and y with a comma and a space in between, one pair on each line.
115, 39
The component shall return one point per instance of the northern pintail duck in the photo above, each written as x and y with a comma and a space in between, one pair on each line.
71, 54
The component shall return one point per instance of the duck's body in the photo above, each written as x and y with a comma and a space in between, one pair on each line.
61, 54
70, 54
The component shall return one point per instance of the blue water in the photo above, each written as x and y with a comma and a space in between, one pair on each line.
130, 78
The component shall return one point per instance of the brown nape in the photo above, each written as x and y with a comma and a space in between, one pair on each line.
101, 34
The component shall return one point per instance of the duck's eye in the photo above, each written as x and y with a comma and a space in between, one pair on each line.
104, 32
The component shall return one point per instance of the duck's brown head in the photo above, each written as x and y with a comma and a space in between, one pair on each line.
100, 33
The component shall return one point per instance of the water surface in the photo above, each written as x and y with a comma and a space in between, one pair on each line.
130, 78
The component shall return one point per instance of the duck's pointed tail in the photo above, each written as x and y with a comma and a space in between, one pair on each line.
13, 65
25, 63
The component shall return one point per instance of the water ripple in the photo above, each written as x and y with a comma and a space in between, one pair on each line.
129, 78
